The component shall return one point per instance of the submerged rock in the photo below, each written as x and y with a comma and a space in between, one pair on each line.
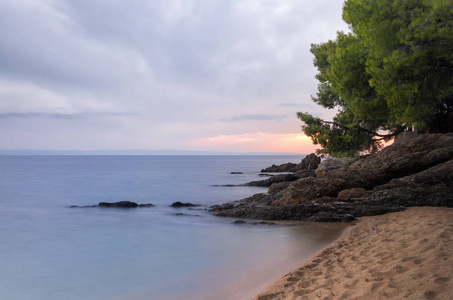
239, 222
180, 204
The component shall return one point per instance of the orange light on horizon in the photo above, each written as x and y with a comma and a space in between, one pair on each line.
257, 142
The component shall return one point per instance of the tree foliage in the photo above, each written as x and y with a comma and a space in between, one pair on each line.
393, 70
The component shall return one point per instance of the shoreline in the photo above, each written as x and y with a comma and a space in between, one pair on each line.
400, 255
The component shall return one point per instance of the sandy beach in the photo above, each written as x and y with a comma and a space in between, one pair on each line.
402, 255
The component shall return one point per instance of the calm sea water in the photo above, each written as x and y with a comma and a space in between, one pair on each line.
51, 251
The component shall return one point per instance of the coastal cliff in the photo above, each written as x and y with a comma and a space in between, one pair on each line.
417, 170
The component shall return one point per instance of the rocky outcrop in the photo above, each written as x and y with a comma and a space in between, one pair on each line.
288, 167
120, 204
273, 179
306, 168
402, 159
416, 170
123, 204
309, 162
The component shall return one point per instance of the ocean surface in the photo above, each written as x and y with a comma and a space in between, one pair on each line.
49, 250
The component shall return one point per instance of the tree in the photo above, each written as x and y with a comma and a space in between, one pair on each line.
393, 70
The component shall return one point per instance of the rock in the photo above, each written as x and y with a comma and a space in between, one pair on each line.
288, 167
417, 170
145, 205
334, 163
395, 161
433, 187
120, 204
273, 179
240, 222
180, 204
278, 187
263, 223
310, 162
236, 173
189, 215
325, 216
349, 194
304, 173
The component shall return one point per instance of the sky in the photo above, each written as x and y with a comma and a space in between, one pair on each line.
195, 75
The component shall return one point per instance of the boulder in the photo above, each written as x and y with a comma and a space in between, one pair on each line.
310, 162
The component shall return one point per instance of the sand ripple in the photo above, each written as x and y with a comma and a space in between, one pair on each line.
403, 255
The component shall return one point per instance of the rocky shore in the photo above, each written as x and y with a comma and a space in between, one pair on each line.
417, 170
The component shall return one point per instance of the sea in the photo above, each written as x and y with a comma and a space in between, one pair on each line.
50, 250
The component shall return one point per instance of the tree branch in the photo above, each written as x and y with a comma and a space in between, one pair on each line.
382, 136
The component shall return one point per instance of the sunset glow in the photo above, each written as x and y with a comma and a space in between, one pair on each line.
258, 142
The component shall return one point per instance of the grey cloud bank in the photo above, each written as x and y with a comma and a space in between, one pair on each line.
138, 74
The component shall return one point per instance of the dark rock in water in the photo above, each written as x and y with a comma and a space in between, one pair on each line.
263, 223
271, 180
145, 205
180, 204
239, 222
189, 215
288, 167
265, 175
236, 173
121, 204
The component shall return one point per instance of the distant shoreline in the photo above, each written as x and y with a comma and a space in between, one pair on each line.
393, 256
134, 152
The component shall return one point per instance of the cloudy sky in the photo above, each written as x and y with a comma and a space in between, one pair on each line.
215, 75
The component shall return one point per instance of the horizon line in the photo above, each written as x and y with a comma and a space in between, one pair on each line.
37, 152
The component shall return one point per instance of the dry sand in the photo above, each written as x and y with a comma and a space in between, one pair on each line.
403, 255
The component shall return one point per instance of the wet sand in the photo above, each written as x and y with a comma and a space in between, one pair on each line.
403, 255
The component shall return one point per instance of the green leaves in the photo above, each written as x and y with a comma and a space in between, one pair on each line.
395, 69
